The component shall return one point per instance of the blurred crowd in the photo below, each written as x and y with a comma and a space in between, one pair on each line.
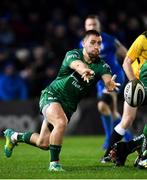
35, 35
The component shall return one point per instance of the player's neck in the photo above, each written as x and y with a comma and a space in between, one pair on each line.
86, 57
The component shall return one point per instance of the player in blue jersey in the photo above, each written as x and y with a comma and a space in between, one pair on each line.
111, 51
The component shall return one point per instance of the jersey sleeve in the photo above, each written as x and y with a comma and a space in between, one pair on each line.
105, 69
70, 57
136, 48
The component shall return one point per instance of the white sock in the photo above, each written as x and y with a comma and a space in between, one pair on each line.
120, 130
14, 137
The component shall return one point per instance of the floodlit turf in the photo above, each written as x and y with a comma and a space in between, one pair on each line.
79, 158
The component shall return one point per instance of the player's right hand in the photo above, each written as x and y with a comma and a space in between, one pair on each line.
112, 85
87, 75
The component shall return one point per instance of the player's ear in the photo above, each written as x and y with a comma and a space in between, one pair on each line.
83, 42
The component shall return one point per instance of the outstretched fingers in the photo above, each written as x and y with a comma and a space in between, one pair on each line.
87, 75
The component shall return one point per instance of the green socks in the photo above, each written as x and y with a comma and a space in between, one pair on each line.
54, 152
24, 137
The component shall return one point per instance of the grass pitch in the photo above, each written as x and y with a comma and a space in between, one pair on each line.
80, 158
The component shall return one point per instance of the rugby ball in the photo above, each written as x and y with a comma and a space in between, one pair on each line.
134, 93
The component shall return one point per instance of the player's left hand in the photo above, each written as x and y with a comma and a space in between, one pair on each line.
113, 85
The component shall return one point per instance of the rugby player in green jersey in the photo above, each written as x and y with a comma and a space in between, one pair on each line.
80, 70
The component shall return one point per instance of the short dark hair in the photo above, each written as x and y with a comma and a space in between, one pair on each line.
92, 16
91, 32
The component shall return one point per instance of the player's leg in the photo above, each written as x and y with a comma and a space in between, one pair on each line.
138, 143
117, 117
106, 119
115, 114
103, 105
56, 116
142, 159
120, 78
122, 149
40, 140
129, 114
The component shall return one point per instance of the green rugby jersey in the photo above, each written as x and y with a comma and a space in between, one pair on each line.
69, 86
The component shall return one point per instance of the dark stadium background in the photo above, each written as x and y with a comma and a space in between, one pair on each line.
34, 36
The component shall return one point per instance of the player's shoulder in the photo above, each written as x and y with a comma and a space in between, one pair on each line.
107, 36
141, 38
75, 52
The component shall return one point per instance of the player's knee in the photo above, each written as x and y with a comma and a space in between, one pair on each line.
116, 115
103, 108
105, 104
42, 144
62, 124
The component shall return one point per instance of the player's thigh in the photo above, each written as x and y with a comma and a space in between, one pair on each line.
103, 108
56, 115
114, 96
105, 101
